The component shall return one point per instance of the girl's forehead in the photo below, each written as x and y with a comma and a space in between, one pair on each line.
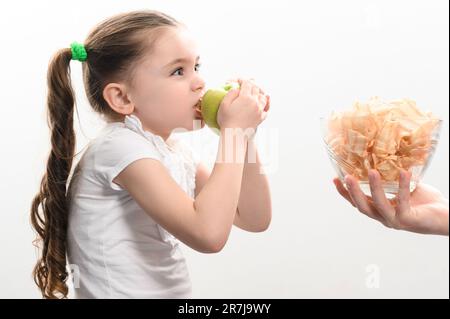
172, 44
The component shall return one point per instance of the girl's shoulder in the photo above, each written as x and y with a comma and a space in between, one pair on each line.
121, 143
115, 147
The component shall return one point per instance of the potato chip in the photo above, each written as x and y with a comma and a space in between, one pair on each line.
386, 136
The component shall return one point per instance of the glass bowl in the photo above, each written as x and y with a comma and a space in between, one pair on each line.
353, 154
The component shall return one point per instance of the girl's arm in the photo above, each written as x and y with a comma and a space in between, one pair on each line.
203, 224
254, 208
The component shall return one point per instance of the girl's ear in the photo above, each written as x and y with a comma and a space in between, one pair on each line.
115, 94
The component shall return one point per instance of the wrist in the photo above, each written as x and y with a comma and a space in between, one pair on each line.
233, 145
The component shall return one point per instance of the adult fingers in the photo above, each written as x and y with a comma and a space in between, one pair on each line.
383, 206
403, 197
360, 199
342, 190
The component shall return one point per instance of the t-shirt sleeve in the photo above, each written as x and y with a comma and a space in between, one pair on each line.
118, 150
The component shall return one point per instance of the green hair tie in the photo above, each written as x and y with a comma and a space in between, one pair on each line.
78, 51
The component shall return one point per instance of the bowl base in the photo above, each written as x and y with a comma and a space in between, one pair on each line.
390, 188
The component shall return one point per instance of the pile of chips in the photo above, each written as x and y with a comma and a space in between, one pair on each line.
386, 136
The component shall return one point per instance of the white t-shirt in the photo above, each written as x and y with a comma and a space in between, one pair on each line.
115, 249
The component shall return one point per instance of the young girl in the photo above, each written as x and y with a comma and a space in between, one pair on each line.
136, 192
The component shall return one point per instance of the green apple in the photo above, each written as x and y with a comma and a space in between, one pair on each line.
210, 104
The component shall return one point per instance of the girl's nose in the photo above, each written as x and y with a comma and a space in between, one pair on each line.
198, 84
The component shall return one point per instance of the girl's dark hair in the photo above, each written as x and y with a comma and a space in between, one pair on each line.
113, 48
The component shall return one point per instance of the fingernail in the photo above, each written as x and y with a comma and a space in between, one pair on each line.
347, 181
404, 175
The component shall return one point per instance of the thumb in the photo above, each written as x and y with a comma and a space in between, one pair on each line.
230, 97
266, 109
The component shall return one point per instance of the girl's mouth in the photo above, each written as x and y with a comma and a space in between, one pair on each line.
198, 110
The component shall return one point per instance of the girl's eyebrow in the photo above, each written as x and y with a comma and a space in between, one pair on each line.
180, 60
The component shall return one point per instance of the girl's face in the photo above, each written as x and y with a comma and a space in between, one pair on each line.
167, 85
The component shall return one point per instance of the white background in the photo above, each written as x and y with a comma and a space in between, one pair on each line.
311, 57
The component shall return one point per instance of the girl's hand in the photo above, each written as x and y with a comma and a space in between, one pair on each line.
243, 108
423, 211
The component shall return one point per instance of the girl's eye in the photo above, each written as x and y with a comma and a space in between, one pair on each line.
178, 71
